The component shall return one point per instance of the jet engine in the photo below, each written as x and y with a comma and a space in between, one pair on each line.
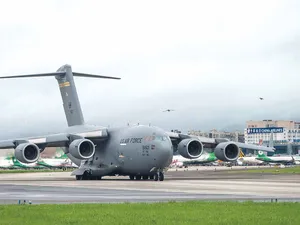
190, 148
82, 148
227, 151
27, 152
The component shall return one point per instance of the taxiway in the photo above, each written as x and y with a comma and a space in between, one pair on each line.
180, 185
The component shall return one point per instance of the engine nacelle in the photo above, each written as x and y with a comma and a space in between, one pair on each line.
82, 149
227, 151
190, 148
27, 152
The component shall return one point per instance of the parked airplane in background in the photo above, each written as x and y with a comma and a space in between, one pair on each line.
58, 162
21, 165
289, 159
250, 160
179, 161
7, 163
138, 151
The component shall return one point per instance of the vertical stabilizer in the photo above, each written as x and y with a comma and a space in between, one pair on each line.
64, 77
69, 96
261, 154
271, 142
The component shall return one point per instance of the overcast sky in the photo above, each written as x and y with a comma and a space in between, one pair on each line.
210, 61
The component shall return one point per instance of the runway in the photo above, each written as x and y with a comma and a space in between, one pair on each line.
60, 187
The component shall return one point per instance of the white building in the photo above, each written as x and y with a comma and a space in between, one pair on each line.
233, 136
283, 131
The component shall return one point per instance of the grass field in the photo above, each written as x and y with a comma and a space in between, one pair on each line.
156, 213
274, 170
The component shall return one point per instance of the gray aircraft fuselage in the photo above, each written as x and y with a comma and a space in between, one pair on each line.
132, 150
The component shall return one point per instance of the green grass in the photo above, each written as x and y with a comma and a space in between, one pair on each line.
155, 213
34, 171
273, 170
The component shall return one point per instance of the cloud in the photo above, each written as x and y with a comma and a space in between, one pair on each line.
210, 61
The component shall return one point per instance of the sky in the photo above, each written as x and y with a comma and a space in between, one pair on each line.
210, 61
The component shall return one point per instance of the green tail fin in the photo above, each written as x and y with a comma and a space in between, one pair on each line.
60, 154
261, 154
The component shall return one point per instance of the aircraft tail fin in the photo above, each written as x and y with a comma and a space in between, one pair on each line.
261, 154
271, 142
71, 104
59, 154
241, 155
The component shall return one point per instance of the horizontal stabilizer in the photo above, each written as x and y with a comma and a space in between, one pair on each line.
93, 76
61, 74
36, 75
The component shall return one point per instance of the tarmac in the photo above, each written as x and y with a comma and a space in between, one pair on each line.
202, 183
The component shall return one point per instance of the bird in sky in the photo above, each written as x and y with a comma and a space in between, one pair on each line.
261, 98
169, 110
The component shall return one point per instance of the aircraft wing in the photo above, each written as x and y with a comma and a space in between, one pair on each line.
256, 147
213, 142
56, 140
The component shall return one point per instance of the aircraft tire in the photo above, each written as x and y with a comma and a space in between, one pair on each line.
145, 177
161, 176
98, 178
86, 176
131, 177
155, 177
138, 177
151, 177
79, 177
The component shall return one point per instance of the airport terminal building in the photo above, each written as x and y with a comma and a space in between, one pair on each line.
286, 134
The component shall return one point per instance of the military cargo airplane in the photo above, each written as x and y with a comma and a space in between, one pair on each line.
140, 152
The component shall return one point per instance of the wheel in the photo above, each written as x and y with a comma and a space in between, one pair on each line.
155, 177
79, 177
145, 177
151, 177
98, 177
138, 177
131, 177
161, 176
86, 176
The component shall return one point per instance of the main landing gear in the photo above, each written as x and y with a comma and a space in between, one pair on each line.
159, 176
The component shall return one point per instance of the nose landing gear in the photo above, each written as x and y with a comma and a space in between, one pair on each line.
159, 176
